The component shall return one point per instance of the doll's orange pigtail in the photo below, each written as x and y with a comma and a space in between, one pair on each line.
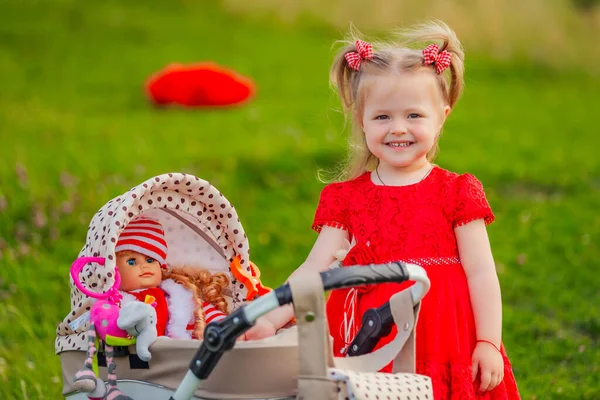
211, 286
185, 276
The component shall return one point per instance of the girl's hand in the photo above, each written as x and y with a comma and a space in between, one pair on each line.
262, 328
488, 361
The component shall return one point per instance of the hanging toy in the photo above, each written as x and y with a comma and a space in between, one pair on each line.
134, 323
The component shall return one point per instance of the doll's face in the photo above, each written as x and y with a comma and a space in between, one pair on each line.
138, 271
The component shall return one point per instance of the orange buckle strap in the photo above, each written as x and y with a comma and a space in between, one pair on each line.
250, 279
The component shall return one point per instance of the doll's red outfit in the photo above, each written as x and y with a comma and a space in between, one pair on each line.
415, 224
174, 308
161, 308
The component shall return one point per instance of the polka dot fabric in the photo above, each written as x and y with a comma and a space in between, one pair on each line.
200, 225
380, 386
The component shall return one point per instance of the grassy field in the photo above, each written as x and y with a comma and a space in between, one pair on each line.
75, 130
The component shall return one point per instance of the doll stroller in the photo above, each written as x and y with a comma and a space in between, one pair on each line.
202, 229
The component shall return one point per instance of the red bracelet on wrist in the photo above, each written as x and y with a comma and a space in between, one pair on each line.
487, 341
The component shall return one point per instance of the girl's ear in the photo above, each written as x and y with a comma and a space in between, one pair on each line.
361, 123
447, 110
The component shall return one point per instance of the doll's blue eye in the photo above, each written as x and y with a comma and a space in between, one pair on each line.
131, 262
150, 260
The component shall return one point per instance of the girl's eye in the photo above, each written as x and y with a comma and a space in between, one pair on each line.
150, 260
382, 117
413, 115
131, 262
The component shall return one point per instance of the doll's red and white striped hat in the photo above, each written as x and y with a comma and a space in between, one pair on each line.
145, 236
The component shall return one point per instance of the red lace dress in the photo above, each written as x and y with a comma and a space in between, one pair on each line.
414, 223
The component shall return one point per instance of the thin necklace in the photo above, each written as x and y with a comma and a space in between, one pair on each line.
383, 183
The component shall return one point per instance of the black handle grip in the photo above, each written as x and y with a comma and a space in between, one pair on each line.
352, 276
376, 323
364, 275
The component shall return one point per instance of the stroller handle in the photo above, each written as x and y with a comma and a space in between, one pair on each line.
351, 276
220, 336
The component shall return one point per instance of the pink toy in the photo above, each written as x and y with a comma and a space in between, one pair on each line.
104, 324
105, 311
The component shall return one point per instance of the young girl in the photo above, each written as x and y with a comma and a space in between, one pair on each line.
395, 205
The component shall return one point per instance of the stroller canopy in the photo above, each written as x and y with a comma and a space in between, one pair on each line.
202, 229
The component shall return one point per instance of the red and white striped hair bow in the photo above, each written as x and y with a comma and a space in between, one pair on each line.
365, 52
432, 55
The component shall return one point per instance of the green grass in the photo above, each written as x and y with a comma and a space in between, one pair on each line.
75, 130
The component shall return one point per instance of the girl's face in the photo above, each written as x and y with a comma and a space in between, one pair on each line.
403, 115
138, 271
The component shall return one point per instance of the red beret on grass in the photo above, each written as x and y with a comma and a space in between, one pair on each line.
199, 85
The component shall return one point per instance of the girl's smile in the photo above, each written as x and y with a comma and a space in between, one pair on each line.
399, 144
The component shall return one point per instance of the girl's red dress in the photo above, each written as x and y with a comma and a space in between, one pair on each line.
415, 224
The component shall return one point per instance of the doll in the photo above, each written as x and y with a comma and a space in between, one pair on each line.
183, 295
151, 301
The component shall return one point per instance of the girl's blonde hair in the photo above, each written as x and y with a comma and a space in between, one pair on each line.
204, 287
399, 55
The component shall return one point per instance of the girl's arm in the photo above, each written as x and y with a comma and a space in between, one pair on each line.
477, 260
320, 257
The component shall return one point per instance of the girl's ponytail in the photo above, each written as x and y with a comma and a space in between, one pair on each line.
438, 32
345, 79
345, 76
